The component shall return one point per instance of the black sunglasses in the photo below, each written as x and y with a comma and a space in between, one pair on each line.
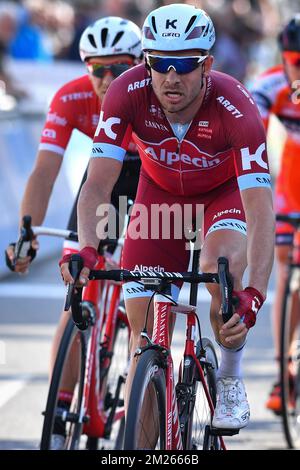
99, 70
181, 65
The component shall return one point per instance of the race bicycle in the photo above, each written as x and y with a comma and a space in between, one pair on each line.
180, 416
99, 341
290, 340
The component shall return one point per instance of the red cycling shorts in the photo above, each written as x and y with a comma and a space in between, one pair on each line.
158, 242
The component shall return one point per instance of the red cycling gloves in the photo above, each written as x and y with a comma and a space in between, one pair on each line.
88, 254
249, 303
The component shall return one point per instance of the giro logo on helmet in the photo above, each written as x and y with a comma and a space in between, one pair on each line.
176, 35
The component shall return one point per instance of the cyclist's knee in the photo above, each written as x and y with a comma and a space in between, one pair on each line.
237, 266
136, 308
282, 254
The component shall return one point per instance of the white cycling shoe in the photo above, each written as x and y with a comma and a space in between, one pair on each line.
232, 408
57, 442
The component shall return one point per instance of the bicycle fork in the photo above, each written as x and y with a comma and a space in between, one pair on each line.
161, 337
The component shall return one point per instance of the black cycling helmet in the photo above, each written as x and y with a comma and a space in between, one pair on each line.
289, 38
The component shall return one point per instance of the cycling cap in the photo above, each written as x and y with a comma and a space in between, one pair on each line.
110, 36
289, 38
178, 27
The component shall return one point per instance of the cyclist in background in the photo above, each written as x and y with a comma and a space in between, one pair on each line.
274, 93
108, 47
201, 142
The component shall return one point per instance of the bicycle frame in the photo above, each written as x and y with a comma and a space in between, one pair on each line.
100, 300
161, 334
161, 337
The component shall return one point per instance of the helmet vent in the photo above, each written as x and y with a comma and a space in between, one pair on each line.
104, 32
92, 40
153, 24
205, 33
190, 23
117, 38
197, 32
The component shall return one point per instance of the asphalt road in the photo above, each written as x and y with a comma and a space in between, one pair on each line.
30, 308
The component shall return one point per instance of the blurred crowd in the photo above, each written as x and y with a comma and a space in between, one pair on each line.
48, 30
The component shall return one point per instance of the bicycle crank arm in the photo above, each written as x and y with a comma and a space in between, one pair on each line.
223, 432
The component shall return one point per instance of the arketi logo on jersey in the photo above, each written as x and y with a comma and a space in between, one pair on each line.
227, 105
138, 85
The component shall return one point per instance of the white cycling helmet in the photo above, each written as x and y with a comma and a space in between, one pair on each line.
178, 27
110, 36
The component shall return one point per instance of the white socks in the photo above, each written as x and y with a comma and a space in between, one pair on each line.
231, 359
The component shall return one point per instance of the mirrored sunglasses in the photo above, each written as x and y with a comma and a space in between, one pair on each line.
181, 65
292, 58
99, 70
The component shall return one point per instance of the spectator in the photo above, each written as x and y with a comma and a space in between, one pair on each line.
31, 40
8, 25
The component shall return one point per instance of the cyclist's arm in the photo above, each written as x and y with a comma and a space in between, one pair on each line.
248, 138
260, 220
102, 176
39, 186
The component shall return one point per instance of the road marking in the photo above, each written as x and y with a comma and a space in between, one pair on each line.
32, 291
8, 389
57, 291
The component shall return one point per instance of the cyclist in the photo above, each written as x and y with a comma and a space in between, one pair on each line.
273, 93
201, 142
108, 47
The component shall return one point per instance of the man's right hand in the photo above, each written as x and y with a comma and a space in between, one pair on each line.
89, 257
22, 264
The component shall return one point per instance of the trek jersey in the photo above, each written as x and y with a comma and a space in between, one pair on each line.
273, 95
74, 106
225, 139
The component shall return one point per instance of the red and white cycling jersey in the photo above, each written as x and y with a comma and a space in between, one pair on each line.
74, 106
273, 95
225, 139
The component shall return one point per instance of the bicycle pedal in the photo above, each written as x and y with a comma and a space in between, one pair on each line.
70, 417
223, 432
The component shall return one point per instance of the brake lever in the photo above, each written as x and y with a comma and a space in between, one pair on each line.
226, 286
23, 244
75, 267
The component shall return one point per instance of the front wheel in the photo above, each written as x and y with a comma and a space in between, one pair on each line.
145, 421
72, 345
290, 362
197, 414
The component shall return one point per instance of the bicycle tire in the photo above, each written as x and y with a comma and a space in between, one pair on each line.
149, 375
50, 411
197, 422
116, 371
290, 389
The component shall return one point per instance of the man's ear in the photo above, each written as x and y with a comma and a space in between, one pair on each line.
208, 64
148, 68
